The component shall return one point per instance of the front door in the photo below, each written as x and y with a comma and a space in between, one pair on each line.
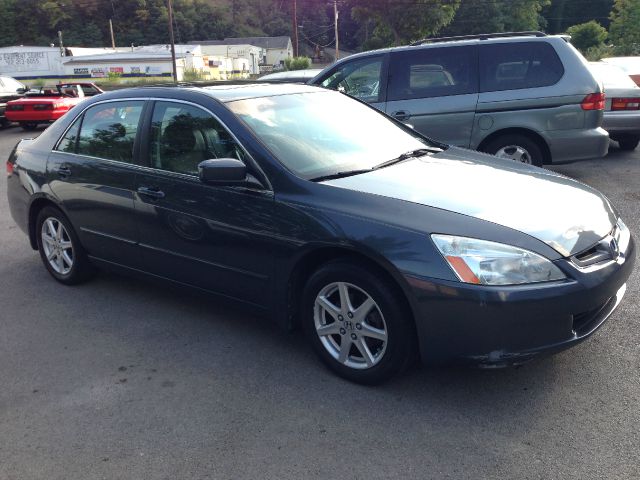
92, 172
436, 91
212, 237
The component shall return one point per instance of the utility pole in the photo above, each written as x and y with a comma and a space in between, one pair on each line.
335, 27
294, 19
173, 43
60, 43
113, 40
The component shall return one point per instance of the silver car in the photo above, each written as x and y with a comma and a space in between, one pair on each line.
527, 96
622, 108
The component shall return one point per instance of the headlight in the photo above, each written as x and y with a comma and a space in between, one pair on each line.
491, 263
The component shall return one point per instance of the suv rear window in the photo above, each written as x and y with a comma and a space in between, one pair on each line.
432, 72
511, 66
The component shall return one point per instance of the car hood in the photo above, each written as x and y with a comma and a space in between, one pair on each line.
563, 213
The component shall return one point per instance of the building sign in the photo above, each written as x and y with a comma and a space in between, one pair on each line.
154, 70
116, 70
98, 72
24, 62
135, 70
81, 71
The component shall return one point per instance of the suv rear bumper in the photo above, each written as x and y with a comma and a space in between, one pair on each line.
569, 145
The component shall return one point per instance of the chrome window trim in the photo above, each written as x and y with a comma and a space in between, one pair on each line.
254, 164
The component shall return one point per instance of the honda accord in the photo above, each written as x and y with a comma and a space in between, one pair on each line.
382, 245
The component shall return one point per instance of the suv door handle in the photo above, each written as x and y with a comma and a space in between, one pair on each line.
401, 115
64, 171
153, 192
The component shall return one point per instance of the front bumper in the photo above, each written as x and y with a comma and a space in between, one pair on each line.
499, 326
570, 145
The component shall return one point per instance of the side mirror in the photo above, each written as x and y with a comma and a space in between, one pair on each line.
21, 91
222, 171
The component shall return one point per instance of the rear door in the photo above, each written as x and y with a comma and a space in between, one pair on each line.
92, 172
435, 90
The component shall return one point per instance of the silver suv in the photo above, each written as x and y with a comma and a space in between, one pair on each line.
525, 96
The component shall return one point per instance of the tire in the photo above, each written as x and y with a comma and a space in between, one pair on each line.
530, 148
29, 126
628, 143
68, 265
4, 123
386, 314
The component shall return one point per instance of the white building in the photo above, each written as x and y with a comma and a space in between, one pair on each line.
247, 58
274, 50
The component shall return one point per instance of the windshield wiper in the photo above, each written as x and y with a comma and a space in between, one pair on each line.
346, 173
407, 155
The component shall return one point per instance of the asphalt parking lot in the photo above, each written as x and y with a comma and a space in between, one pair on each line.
119, 378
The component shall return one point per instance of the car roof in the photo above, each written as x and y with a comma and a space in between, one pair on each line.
439, 43
230, 93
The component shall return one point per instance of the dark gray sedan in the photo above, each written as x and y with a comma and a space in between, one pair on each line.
325, 214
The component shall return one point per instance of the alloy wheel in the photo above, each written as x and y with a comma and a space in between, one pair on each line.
350, 325
515, 152
57, 245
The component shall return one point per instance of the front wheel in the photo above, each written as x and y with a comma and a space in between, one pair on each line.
60, 249
357, 324
628, 143
29, 126
519, 148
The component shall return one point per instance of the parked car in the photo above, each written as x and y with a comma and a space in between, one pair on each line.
10, 89
48, 104
622, 108
379, 243
293, 76
631, 66
525, 96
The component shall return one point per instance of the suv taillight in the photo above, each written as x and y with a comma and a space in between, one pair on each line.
625, 104
593, 101
9, 168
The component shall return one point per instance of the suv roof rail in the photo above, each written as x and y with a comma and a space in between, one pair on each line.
482, 36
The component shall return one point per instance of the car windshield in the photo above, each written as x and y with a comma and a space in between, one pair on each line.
325, 133
611, 76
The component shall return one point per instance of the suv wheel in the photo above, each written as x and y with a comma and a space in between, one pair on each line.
516, 147
628, 143
60, 248
29, 126
355, 324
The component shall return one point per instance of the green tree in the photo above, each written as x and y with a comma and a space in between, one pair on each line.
587, 35
561, 14
398, 22
491, 16
624, 30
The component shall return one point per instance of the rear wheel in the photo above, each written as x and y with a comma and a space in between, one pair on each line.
60, 248
516, 147
357, 324
628, 143
29, 126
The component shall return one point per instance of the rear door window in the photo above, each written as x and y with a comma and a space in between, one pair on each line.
432, 72
512, 66
359, 78
107, 130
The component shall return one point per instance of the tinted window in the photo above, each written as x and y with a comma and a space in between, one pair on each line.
510, 66
70, 139
360, 79
182, 136
109, 130
432, 72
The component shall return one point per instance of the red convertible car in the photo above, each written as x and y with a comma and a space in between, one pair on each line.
48, 104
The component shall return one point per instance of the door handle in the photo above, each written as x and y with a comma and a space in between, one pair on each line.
401, 115
153, 192
64, 171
